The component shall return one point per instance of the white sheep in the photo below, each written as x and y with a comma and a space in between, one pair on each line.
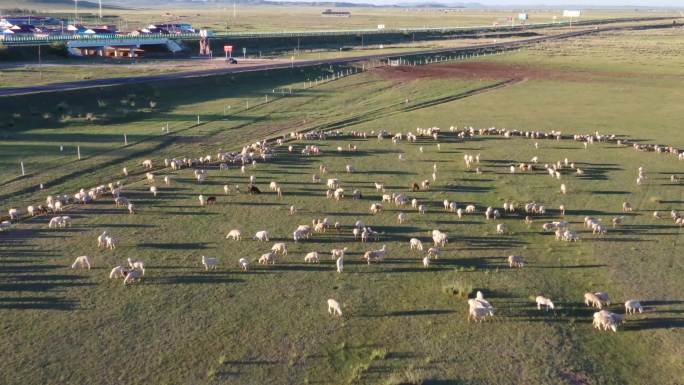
279, 248
426, 261
131, 208
334, 307
416, 244
202, 200
590, 299
459, 213
136, 265
234, 234
434, 252
81, 262
244, 264
501, 228
470, 209
312, 257
132, 276
14, 214
261, 236
515, 261
147, 163
421, 209
375, 255
543, 301
153, 190
267, 258
118, 271
632, 306
110, 242
338, 253
563, 189
376, 208
55, 221
401, 218
210, 263
340, 264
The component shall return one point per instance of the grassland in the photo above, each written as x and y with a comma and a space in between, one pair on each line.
269, 325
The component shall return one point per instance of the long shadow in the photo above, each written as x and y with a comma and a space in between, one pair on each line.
409, 313
203, 278
655, 323
175, 246
40, 303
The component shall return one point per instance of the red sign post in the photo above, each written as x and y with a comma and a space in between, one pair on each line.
228, 49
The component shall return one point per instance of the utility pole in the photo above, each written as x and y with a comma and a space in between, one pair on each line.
100, 7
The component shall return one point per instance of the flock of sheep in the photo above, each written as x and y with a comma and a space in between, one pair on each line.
479, 309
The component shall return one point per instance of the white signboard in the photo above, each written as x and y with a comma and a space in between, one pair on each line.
522, 16
574, 14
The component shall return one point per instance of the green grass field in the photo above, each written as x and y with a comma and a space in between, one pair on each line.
401, 324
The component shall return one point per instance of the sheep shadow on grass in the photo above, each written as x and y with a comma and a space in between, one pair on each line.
37, 303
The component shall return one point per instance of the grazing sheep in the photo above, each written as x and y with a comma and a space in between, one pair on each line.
515, 261
118, 271
136, 265
501, 228
210, 263
338, 253
201, 199
375, 255
234, 234
334, 307
434, 252
376, 208
125, 171
261, 236
459, 213
626, 207
561, 208
607, 320
416, 244
110, 242
14, 214
65, 222
439, 238
147, 163
131, 208
379, 186
132, 276
563, 189
226, 189
211, 201
340, 264
590, 299
56, 222
81, 262
470, 209
267, 258
618, 220
426, 261
632, 306
279, 248
543, 301
312, 257
401, 218
244, 264
421, 209
153, 190
603, 297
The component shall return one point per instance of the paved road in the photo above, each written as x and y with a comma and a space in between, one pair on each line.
66, 86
